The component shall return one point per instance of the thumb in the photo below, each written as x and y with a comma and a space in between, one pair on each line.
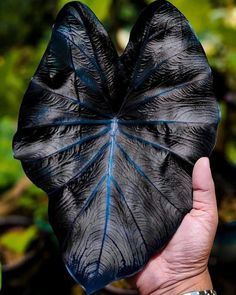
204, 197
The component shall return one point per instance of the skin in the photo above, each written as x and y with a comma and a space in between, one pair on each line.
182, 266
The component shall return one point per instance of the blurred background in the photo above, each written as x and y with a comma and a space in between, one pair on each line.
30, 262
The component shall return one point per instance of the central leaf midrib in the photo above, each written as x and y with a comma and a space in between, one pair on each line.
113, 132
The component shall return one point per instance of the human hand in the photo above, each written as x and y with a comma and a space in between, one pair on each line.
182, 265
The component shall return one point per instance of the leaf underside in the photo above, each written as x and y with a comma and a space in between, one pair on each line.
113, 139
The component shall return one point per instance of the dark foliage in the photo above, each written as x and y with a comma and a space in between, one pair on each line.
113, 140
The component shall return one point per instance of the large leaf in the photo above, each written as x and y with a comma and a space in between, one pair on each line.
113, 140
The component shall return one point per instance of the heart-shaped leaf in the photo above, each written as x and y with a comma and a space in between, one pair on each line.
113, 140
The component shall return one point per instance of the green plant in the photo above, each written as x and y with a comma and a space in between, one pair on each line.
33, 203
102, 8
10, 169
19, 240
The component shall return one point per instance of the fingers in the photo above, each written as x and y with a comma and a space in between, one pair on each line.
204, 197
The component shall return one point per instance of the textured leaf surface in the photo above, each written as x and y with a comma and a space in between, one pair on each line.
113, 140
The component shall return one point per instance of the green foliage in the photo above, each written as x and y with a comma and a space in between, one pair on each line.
10, 169
16, 68
24, 22
197, 12
101, 8
18, 241
128, 14
34, 203
11, 80
231, 152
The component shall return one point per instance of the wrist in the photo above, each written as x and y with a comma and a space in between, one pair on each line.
199, 282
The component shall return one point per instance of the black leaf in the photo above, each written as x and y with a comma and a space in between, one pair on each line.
113, 140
